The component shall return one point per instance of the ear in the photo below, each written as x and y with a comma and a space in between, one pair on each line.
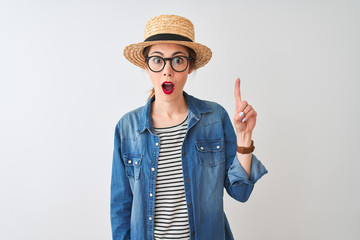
146, 67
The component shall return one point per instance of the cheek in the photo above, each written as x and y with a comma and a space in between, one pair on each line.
182, 82
155, 79
184, 77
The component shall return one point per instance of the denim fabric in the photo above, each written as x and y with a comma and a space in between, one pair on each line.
209, 164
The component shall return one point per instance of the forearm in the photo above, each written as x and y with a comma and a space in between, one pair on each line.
244, 140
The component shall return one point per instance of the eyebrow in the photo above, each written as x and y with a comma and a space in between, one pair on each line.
175, 53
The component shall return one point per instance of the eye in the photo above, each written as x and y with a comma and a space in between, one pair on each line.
178, 60
156, 60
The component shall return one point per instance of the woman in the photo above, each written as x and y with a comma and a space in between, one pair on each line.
174, 156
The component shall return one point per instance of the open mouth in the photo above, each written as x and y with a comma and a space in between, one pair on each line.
168, 87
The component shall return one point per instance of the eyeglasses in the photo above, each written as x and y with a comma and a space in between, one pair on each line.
178, 63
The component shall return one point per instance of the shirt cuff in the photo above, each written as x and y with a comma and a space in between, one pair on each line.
237, 174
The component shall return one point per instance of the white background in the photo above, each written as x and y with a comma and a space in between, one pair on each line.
64, 84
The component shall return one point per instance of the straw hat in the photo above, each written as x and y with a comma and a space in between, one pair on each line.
168, 29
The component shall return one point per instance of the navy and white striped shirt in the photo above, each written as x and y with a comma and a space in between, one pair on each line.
171, 216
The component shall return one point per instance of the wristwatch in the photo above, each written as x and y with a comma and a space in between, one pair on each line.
245, 150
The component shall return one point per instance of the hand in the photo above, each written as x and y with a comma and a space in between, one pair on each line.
245, 123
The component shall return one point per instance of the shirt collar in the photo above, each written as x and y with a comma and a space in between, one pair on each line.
196, 108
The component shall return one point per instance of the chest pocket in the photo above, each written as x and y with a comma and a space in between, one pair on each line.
132, 166
210, 152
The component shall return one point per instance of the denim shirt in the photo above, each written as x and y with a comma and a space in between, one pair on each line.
209, 165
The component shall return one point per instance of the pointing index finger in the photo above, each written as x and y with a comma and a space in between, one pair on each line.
237, 92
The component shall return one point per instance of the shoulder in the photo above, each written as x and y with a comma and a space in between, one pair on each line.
208, 106
216, 107
130, 119
128, 127
136, 113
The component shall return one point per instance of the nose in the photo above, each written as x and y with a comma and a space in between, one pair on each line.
168, 71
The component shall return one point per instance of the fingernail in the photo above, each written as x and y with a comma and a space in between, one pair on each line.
243, 120
240, 114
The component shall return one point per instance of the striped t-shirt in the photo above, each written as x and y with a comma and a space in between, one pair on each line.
171, 216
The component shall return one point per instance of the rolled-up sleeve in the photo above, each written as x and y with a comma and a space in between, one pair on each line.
237, 174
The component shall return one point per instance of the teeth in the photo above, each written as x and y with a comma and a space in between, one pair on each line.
168, 86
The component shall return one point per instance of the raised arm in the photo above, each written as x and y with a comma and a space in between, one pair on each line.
244, 121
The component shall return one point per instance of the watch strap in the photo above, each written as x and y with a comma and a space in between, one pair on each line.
245, 150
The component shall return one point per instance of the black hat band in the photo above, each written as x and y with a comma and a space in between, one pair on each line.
167, 36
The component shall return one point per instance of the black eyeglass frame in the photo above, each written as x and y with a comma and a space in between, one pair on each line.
168, 59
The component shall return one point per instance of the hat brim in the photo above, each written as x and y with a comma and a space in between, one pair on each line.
134, 52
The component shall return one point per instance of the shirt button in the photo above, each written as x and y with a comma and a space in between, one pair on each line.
153, 169
190, 205
151, 194
150, 218
156, 144
218, 147
187, 180
184, 153
193, 233
202, 148
129, 161
136, 163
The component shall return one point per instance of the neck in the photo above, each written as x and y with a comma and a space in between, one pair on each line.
169, 108
168, 113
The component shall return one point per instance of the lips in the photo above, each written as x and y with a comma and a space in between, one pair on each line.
168, 87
